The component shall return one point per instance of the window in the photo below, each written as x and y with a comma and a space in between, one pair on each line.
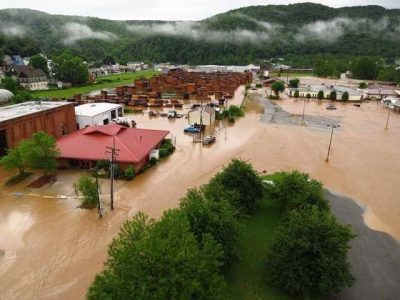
120, 112
113, 114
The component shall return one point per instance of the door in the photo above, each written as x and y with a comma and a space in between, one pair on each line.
3, 143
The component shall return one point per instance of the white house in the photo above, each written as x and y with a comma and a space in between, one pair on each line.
205, 115
97, 114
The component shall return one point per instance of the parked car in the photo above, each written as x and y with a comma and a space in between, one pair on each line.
208, 140
191, 129
172, 114
331, 107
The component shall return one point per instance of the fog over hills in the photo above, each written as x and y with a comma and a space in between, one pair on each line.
238, 36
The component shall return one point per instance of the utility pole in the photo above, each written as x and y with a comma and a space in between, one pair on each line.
387, 120
99, 209
330, 141
304, 109
114, 154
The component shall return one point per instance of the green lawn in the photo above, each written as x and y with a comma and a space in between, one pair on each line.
246, 278
103, 82
291, 74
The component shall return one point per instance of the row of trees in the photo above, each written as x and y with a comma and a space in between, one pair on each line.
183, 255
320, 95
37, 153
308, 257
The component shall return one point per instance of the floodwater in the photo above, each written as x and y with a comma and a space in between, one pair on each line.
52, 249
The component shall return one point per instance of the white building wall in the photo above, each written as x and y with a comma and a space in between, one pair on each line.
100, 119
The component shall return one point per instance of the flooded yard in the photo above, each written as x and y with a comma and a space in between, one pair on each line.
52, 249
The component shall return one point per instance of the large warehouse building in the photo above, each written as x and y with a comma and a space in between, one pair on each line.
21, 121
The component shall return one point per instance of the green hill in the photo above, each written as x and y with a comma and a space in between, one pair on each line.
239, 36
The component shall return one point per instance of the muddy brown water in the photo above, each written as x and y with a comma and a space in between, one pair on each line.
52, 249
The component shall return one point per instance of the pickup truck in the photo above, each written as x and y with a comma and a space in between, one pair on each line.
191, 129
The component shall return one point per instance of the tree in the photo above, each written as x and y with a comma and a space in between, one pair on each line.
70, 68
87, 188
21, 97
217, 218
345, 96
320, 95
160, 260
39, 62
308, 257
294, 83
13, 160
239, 184
308, 96
296, 94
108, 60
296, 190
40, 152
10, 84
278, 87
333, 95
362, 85
366, 67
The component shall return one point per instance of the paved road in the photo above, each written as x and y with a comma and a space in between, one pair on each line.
374, 256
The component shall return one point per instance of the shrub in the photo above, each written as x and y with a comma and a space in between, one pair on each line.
294, 83
103, 165
231, 119
296, 190
153, 161
258, 85
333, 95
87, 188
308, 96
320, 95
235, 111
362, 85
308, 257
296, 94
217, 218
238, 183
130, 173
345, 96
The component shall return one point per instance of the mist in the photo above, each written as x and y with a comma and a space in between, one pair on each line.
12, 29
78, 31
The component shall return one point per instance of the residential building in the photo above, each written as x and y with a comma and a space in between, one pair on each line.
85, 147
29, 78
21, 121
17, 60
97, 114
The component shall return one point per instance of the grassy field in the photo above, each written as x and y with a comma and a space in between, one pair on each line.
291, 74
246, 278
103, 82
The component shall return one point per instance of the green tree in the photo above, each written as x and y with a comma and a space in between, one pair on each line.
87, 188
108, 60
308, 258
278, 87
366, 67
39, 62
130, 172
308, 96
217, 218
345, 96
10, 84
362, 85
296, 94
296, 190
40, 152
294, 83
239, 184
160, 260
320, 95
70, 68
333, 95
21, 97
14, 160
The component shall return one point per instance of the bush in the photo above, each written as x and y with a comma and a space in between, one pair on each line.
362, 85
345, 96
235, 111
130, 173
217, 218
296, 190
239, 184
166, 148
294, 83
231, 119
160, 260
153, 161
103, 165
258, 85
296, 94
308, 96
333, 95
320, 95
308, 257
87, 188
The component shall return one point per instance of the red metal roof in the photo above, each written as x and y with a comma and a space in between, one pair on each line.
91, 143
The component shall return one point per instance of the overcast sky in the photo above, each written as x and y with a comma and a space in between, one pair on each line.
163, 9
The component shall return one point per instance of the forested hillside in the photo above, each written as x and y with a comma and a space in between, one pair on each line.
240, 36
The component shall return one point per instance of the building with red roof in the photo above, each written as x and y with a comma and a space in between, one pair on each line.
83, 148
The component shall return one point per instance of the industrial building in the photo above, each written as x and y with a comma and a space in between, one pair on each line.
21, 121
97, 113
83, 148
313, 91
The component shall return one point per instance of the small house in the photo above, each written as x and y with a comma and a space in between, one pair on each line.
101, 113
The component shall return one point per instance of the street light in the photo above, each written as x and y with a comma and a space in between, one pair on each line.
330, 141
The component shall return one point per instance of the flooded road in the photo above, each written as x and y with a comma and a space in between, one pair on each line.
52, 249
